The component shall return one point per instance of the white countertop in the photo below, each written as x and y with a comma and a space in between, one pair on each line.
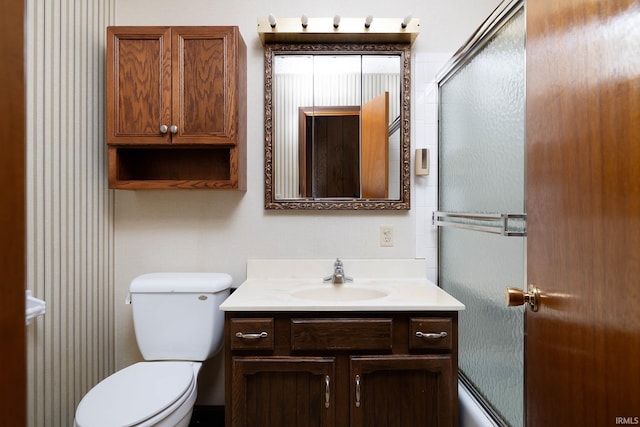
271, 285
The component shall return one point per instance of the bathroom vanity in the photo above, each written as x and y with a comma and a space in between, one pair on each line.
381, 351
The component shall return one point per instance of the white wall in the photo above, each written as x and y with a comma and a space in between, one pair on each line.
218, 230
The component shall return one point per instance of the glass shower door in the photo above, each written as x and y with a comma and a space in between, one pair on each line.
481, 207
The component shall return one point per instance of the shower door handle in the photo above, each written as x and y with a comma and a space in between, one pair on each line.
515, 297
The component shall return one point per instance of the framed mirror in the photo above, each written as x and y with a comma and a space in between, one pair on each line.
337, 126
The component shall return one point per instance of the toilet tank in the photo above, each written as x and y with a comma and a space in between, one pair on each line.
176, 316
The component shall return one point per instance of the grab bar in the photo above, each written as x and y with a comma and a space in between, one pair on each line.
499, 223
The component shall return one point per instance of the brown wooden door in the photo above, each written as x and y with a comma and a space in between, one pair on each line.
407, 391
375, 148
329, 151
582, 348
138, 85
283, 392
205, 89
13, 357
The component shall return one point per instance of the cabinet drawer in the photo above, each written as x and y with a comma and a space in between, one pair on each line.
251, 334
341, 334
430, 333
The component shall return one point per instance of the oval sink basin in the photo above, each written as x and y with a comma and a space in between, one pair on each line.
338, 293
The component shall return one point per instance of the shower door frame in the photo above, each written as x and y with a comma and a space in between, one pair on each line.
478, 40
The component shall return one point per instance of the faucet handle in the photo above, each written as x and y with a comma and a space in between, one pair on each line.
338, 275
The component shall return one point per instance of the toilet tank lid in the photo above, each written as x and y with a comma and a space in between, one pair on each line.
180, 283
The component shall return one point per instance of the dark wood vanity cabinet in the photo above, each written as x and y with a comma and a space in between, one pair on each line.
341, 369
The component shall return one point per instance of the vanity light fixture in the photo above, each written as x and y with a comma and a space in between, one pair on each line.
337, 29
367, 21
406, 20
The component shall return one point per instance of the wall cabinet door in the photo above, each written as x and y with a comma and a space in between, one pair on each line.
205, 96
283, 392
138, 85
178, 85
390, 391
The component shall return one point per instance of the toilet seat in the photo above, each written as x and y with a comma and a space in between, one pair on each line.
138, 394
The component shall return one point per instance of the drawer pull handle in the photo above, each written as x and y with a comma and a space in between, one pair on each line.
257, 336
431, 336
327, 391
357, 391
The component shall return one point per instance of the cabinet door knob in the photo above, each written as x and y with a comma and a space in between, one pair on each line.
357, 391
164, 128
174, 129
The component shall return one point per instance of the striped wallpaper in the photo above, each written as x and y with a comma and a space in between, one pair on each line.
70, 211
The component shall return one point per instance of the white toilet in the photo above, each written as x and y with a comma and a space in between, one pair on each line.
178, 325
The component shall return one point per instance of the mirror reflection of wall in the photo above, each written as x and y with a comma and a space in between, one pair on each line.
306, 89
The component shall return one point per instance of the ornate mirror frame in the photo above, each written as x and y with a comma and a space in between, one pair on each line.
403, 202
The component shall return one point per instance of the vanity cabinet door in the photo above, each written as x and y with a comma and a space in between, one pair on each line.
398, 390
283, 392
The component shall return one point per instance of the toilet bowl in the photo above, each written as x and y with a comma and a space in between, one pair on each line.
144, 394
178, 325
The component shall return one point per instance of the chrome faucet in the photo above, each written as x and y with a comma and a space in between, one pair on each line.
338, 275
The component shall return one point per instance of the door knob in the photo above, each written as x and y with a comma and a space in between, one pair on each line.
163, 128
515, 296
174, 129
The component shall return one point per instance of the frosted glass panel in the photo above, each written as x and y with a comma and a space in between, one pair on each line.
481, 151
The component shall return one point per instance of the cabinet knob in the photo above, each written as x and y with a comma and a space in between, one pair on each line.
174, 129
164, 129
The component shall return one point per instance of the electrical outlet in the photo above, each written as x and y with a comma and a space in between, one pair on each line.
386, 236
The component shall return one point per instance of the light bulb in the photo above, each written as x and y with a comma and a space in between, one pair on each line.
336, 21
406, 21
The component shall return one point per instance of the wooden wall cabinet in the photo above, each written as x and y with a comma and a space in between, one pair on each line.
176, 107
352, 369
